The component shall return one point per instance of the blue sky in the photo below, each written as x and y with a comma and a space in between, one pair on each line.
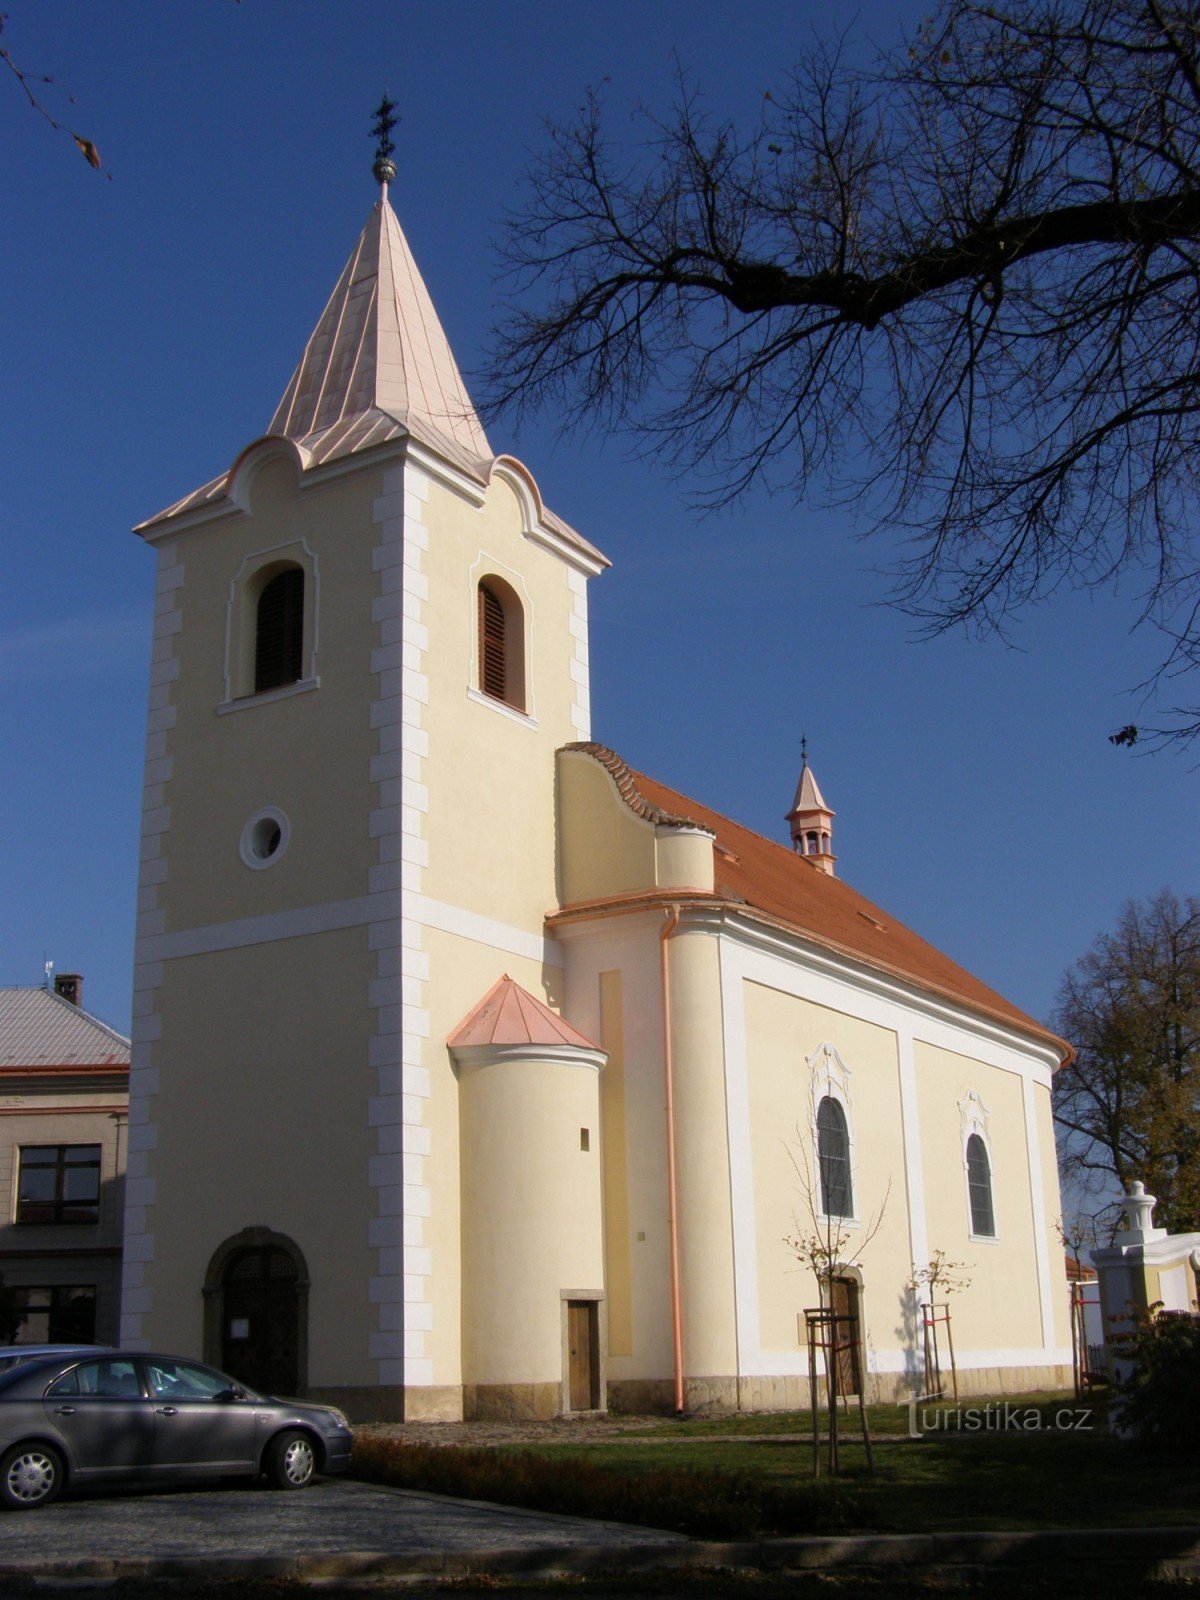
150, 323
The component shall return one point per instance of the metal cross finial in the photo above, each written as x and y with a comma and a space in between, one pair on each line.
803, 749
384, 168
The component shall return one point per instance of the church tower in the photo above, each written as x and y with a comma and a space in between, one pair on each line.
811, 820
370, 638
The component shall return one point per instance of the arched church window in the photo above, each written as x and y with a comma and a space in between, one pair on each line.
979, 1188
813, 844
279, 631
833, 1157
501, 643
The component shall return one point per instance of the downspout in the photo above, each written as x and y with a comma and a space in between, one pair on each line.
668, 929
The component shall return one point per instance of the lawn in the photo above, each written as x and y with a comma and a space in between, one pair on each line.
705, 1475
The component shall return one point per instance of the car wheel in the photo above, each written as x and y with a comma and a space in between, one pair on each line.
291, 1461
30, 1476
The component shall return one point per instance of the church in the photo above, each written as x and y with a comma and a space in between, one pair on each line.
473, 1073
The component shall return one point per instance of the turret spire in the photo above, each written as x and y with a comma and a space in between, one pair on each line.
810, 818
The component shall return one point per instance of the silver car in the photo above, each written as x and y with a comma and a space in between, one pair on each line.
143, 1419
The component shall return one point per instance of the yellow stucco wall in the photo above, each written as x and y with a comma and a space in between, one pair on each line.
490, 824
308, 753
1002, 1308
604, 849
261, 1124
782, 1032
531, 1213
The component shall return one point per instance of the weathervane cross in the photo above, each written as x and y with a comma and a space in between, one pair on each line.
384, 168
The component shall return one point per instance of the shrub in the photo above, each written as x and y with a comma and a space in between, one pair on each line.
702, 1502
1159, 1402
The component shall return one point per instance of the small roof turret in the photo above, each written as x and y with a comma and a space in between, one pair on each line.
811, 819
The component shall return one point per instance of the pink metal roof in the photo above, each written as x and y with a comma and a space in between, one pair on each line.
379, 346
508, 1014
378, 367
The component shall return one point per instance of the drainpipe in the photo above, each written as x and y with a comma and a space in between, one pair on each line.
668, 929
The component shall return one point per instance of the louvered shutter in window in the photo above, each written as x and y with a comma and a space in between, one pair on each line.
492, 664
279, 636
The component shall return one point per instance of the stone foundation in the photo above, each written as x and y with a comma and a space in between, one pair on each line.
511, 1402
363, 1403
715, 1396
721, 1396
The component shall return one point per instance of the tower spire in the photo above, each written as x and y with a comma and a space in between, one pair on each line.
810, 819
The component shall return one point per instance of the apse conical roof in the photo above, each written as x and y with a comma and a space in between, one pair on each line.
509, 1015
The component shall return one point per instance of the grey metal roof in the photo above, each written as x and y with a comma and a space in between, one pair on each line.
40, 1029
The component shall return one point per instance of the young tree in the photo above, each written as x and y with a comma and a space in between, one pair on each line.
965, 285
1128, 1106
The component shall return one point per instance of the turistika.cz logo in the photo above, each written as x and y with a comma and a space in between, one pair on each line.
926, 1414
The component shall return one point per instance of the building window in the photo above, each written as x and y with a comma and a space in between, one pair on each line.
59, 1183
501, 643
979, 1188
58, 1314
279, 631
833, 1155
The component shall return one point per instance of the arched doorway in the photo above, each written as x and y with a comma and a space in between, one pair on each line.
256, 1312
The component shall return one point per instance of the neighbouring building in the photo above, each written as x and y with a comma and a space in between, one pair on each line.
64, 1095
474, 1073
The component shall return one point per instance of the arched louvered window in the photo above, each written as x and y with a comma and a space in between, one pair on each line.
979, 1188
279, 631
501, 643
833, 1154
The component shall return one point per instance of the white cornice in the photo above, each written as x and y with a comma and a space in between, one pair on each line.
753, 935
563, 1055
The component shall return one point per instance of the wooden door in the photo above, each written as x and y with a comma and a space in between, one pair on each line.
845, 1310
261, 1322
583, 1355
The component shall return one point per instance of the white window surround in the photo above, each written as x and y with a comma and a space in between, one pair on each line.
246, 701
973, 1118
257, 829
241, 617
502, 706
483, 567
829, 1077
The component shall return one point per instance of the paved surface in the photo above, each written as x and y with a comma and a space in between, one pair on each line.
350, 1530
335, 1526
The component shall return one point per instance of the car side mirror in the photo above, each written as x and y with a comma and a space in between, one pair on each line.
228, 1396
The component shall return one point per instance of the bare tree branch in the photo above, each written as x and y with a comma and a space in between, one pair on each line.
964, 287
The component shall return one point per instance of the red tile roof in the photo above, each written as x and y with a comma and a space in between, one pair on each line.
776, 883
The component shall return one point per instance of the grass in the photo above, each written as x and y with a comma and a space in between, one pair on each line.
704, 1476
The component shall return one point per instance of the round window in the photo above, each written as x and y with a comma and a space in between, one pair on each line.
264, 838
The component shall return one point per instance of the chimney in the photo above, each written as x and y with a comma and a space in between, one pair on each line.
69, 986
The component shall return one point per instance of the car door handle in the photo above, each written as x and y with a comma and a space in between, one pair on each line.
64, 1411
167, 1411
